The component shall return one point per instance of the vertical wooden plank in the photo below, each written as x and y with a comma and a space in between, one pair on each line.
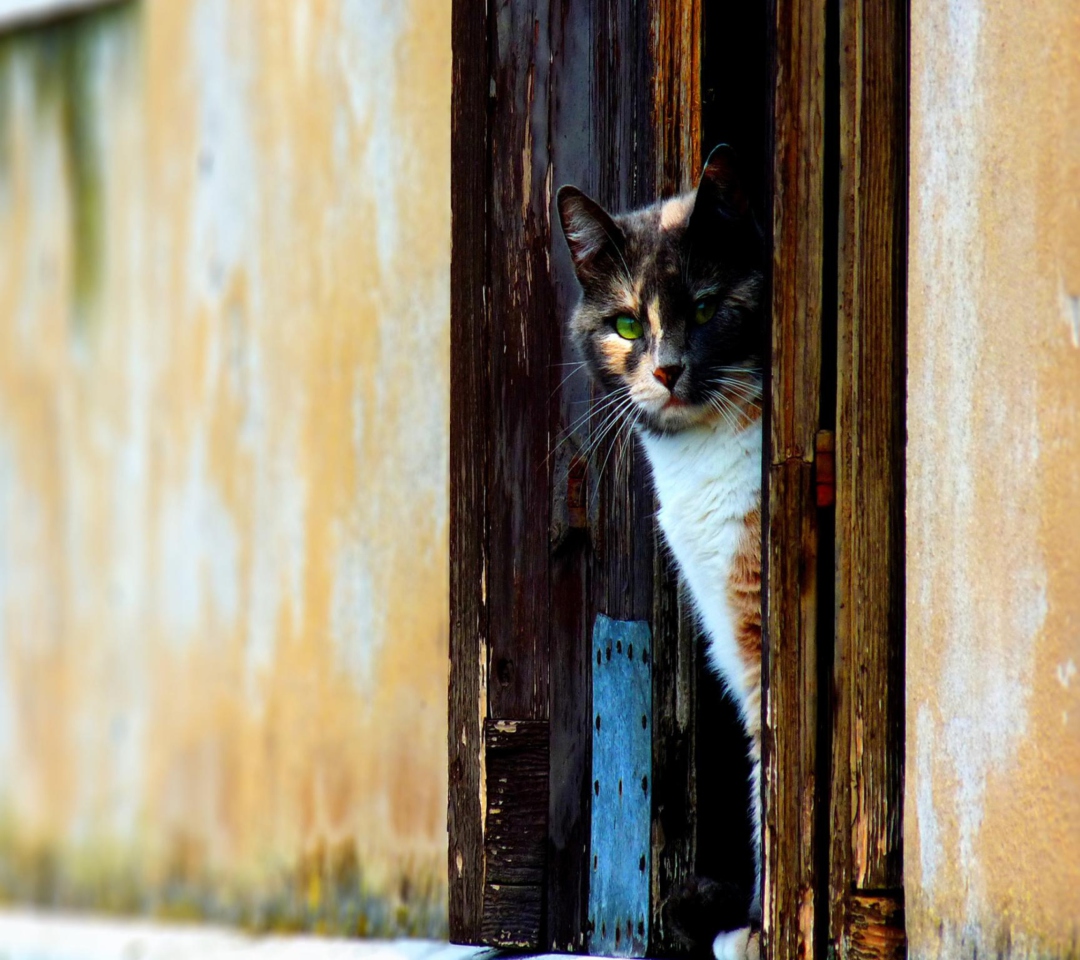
520, 354
515, 839
469, 432
867, 789
676, 49
600, 537
572, 90
614, 106
519, 495
790, 534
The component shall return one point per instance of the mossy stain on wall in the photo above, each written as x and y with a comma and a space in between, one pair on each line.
67, 63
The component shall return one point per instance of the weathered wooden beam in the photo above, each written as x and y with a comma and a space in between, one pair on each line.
868, 721
675, 34
469, 434
521, 350
790, 531
676, 47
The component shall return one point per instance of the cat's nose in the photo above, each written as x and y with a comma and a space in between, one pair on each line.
669, 375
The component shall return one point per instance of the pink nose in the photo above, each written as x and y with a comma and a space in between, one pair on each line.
669, 375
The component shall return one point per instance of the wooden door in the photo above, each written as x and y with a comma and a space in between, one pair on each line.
553, 550
603, 95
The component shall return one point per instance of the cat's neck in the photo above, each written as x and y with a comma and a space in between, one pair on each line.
716, 453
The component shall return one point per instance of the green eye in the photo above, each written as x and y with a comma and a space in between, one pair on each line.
628, 328
704, 311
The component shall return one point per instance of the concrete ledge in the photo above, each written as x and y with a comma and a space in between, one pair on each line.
31, 935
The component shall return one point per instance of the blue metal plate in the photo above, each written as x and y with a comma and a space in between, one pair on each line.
622, 787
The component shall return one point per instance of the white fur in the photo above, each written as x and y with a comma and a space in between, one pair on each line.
736, 945
708, 478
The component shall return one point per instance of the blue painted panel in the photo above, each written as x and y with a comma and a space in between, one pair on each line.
622, 787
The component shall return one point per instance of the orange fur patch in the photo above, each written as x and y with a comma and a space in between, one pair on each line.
744, 601
615, 350
652, 311
675, 211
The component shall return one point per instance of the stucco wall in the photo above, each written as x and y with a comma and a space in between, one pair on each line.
992, 826
224, 338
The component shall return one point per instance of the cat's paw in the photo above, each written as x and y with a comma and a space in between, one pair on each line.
701, 908
741, 944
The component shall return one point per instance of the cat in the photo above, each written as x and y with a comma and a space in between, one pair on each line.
670, 320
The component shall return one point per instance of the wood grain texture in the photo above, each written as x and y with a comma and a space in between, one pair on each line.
469, 433
676, 44
520, 353
515, 835
790, 534
516, 823
875, 927
512, 915
676, 50
868, 720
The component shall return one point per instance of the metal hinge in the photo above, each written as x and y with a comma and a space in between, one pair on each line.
825, 468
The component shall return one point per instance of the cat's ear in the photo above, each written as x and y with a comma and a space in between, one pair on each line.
720, 192
592, 236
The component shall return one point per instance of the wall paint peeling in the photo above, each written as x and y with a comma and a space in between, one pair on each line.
992, 828
223, 462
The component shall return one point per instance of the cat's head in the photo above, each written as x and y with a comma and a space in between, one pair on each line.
670, 313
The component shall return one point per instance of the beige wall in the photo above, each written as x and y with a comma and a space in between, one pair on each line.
992, 829
224, 334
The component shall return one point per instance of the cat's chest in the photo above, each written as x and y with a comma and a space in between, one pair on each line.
707, 481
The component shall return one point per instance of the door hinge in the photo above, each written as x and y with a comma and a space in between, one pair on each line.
825, 468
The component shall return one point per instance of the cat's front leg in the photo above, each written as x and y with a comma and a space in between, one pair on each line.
744, 944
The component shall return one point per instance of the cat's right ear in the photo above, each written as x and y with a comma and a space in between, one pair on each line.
592, 236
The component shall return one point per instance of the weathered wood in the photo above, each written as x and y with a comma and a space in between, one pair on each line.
512, 915
790, 534
604, 95
868, 743
676, 52
602, 547
791, 713
516, 770
469, 433
610, 101
515, 838
676, 48
875, 927
520, 354
675, 809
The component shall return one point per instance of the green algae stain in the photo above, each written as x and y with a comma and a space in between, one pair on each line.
79, 69
324, 891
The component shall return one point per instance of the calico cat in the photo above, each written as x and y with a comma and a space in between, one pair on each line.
670, 319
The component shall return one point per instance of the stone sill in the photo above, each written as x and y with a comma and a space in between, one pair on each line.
24, 13
34, 935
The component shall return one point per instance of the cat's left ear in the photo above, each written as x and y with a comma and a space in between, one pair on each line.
720, 191
594, 240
